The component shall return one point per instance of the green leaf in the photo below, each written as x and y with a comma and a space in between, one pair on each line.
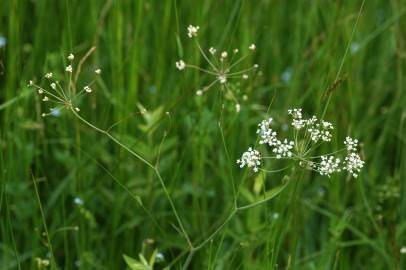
152, 258
134, 264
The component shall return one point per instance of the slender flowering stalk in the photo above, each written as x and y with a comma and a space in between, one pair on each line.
64, 97
221, 68
308, 135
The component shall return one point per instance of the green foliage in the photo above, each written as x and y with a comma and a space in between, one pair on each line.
310, 53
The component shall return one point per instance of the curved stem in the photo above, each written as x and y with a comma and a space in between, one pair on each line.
155, 169
205, 56
229, 217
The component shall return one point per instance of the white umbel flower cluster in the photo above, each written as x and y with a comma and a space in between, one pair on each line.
351, 144
297, 121
62, 95
268, 136
192, 31
329, 165
224, 67
303, 146
317, 129
353, 164
251, 159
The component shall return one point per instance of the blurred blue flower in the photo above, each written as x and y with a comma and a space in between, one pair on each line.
56, 112
287, 74
78, 201
354, 47
3, 42
152, 89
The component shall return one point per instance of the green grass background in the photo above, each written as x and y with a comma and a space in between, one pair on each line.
323, 223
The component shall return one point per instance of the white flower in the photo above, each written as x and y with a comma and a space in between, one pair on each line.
329, 165
325, 133
53, 86
224, 55
97, 71
351, 144
180, 65
319, 131
245, 76
353, 164
199, 92
222, 78
77, 109
282, 149
45, 98
297, 121
87, 89
212, 50
403, 250
71, 57
296, 113
235, 51
48, 75
314, 134
192, 31
69, 68
268, 136
256, 66
252, 47
312, 121
43, 115
237, 107
251, 159
40, 91
31, 83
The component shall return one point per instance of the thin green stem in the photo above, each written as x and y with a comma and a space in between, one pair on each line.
154, 168
53, 263
205, 56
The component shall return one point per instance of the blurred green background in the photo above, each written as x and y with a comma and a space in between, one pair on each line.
305, 49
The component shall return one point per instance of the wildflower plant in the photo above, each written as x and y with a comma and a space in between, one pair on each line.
308, 136
64, 96
222, 67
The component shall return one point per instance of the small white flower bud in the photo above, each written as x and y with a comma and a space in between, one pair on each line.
180, 65
87, 89
237, 108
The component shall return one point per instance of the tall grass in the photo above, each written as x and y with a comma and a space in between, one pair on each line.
305, 49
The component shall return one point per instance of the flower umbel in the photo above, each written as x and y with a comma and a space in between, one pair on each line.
308, 135
62, 95
251, 159
220, 67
